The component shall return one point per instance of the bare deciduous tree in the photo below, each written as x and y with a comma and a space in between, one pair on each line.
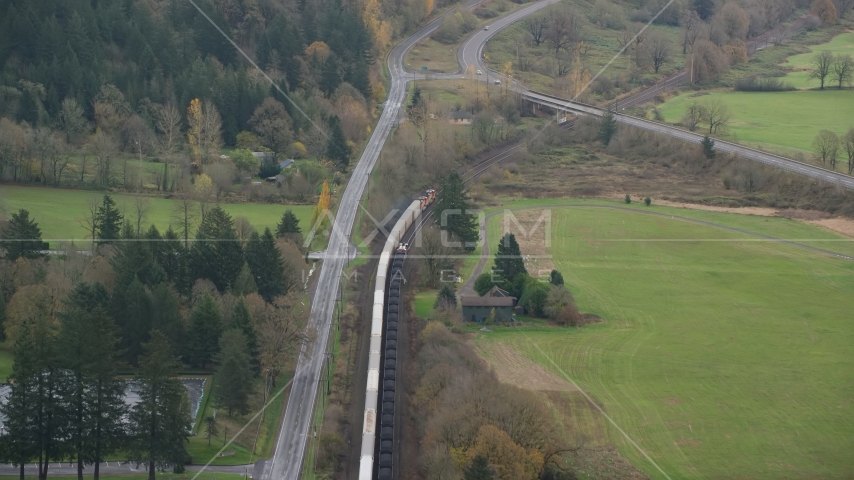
167, 121
281, 331
564, 29
211, 131
826, 145
185, 214
821, 65
141, 208
693, 116
658, 50
716, 114
843, 66
848, 146
89, 219
71, 120
104, 147
690, 29
537, 27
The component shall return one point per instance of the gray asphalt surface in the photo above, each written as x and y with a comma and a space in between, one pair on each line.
118, 468
295, 430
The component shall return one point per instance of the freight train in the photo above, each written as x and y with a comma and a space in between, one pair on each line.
377, 454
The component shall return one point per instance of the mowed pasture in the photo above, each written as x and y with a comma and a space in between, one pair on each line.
722, 355
778, 122
59, 211
803, 63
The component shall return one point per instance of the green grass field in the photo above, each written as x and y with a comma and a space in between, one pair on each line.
720, 356
841, 44
779, 122
58, 211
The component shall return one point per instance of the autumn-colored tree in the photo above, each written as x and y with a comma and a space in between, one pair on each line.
509, 460
824, 10
320, 214
737, 52
194, 118
317, 51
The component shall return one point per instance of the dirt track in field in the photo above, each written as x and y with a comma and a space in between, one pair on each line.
514, 368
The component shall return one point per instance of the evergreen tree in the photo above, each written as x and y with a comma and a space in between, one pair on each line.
166, 315
705, 8
479, 469
288, 224
508, 259
45, 394
216, 254
18, 445
133, 311
109, 221
241, 320
172, 256
2, 316
453, 216
135, 259
708, 147
160, 423
555, 278
245, 284
233, 380
88, 297
87, 351
337, 148
446, 298
22, 237
205, 330
266, 264
607, 127
28, 108
329, 77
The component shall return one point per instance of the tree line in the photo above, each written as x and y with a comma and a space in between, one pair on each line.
143, 303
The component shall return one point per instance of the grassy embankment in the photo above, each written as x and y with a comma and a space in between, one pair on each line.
58, 211
719, 355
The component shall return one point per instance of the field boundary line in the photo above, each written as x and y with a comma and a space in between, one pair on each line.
595, 405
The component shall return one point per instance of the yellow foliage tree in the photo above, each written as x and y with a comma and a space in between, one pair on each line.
320, 215
428, 7
317, 50
195, 119
372, 16
204, 191
510, 461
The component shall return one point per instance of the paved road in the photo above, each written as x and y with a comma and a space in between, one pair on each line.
295, 430
119, 468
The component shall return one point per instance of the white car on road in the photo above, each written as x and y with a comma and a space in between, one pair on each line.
479, 72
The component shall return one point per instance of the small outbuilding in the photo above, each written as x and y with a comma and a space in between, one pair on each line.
460, 117
480, 309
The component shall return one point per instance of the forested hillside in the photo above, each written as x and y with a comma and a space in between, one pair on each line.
105, 77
